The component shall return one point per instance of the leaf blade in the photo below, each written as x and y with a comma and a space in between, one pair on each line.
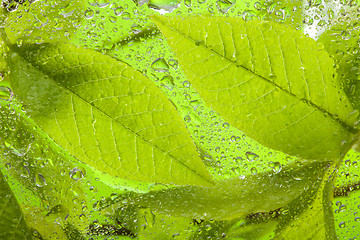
237, 79
67, 103
234, 198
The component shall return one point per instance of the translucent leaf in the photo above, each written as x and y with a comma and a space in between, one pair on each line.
311, 214
12, 222
106, 114
267, 80
44, 21
341, 42
233, 198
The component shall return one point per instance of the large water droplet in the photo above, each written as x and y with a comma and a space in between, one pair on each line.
160, 65
89, 14
77, 174
168, 82
251, 156
224, 5
40, 180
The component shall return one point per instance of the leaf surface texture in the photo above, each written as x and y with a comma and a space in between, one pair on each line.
268, 80
106, 114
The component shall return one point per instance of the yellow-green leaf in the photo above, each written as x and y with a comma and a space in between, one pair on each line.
266, 79
106, 114
234, 198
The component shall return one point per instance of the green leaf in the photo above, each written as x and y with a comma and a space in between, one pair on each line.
266, 79
341, 42
12, 222
311, 215
233, 198
106, 114
44, 21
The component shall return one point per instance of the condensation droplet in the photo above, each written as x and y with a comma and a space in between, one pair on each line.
39, 40
40, 180
118, 11
77, 174
7, 165
253, 170
160, 65
342, 225
168, 82
277, 167
224, 5
89, 14
251, 156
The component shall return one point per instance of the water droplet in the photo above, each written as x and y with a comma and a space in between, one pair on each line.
18, 150
357, 219
251, 156
89, 14
345, 35
39, 40
224, 5
187, 118
187, 3
163, 6
277, 167
77, 174
40, 180
126, 16
226, 125
342, 225
5, 92
112, 19
253, 170
25, 172
160, 65
174, 64
118, 11
168, 82
7, 165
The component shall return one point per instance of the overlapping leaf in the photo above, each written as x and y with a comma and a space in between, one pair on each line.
12, 222
234, 198
311, 215
43, 21
106, 114
341, 42
266, 79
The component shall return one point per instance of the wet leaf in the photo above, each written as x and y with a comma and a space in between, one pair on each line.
12, 222
266, 79
342, 43
106, 114
234, 198
310, 215
44, 21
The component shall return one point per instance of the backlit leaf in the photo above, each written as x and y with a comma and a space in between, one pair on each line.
106, 114
234, 198
311, 215
12, 222
266, 79
43, 21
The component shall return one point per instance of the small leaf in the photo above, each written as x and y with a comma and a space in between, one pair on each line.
106, 114
267, 80
233, 198
12, 222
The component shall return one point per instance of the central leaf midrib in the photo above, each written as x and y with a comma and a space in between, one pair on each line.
342, 123
124, 126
